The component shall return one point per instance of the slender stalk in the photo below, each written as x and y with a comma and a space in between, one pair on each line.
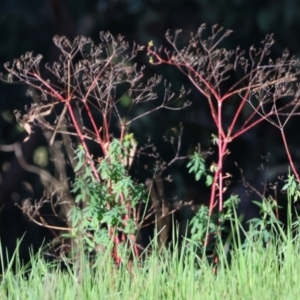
221, 157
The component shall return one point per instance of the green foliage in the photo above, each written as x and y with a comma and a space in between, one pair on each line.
292, 187
254, 273
180, 274
203, 224
268, 226
197, 166
103, 205
264, 228
199, 224
214, 139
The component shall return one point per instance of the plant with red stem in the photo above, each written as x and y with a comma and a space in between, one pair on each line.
267, 85
91, 84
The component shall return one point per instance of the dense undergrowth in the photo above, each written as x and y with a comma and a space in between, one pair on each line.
257, 271
261, 263
94, 88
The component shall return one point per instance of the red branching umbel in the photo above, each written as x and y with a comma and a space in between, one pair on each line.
262, 83
88, 88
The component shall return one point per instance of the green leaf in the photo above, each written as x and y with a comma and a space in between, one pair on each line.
78, 166
209, 180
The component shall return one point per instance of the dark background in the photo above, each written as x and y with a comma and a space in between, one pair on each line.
30, 26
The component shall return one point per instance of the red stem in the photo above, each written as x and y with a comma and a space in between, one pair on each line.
237, 114
78, 130
220, 162
82, 139
97, 133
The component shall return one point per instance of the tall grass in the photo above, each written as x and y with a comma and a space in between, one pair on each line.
254, 272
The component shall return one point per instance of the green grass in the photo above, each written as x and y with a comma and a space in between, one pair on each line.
255, 273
